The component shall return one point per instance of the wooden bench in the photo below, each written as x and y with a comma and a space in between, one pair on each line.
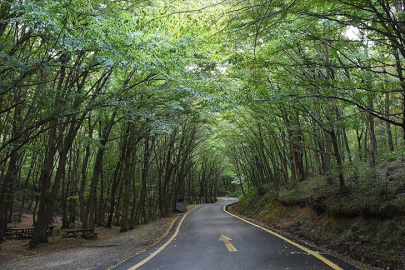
86, 233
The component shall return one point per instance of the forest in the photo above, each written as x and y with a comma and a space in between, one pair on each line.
111, 111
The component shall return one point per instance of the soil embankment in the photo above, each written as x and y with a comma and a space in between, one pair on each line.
363, 234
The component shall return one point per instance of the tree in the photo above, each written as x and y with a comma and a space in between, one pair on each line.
96, 75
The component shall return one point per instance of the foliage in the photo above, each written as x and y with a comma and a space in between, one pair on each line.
112, 108
100, 110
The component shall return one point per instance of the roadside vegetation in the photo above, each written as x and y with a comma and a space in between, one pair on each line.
111, 111
366, 224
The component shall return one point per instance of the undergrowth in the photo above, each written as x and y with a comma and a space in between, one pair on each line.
366, 223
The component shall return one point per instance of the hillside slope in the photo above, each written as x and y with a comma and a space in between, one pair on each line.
366, 224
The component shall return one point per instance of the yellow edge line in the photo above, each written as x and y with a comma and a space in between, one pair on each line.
313, 253
147, 259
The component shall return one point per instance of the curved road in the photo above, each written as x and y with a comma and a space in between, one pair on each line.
209, 238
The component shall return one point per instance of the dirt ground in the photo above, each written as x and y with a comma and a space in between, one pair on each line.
16, 249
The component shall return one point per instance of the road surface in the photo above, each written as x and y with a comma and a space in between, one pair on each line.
210, 238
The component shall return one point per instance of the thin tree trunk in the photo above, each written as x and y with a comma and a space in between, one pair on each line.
89, 221
387, 124
129, 149
145, 170
346, 142
7, 191
114, 187
373, 139
342, 184
83, 174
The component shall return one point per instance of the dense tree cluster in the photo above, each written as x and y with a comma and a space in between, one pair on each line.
110, 111
100, 118
323, 88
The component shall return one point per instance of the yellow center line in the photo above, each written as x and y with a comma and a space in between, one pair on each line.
147, 259
313, 253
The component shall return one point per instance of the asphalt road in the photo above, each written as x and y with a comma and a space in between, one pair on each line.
202, 242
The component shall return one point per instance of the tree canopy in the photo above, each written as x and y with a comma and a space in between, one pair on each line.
111, 111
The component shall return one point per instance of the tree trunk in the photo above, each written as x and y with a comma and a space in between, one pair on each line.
145, 170
326, 156
89, 221
342, 184
346, 142
129, 149
48, 197
373, 139
10, 177
83, 174
39, 235
7, 192
114, 187
387, 124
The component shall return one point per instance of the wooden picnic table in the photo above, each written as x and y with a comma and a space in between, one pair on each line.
29, 231
21, 232
26, 231
87, 233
